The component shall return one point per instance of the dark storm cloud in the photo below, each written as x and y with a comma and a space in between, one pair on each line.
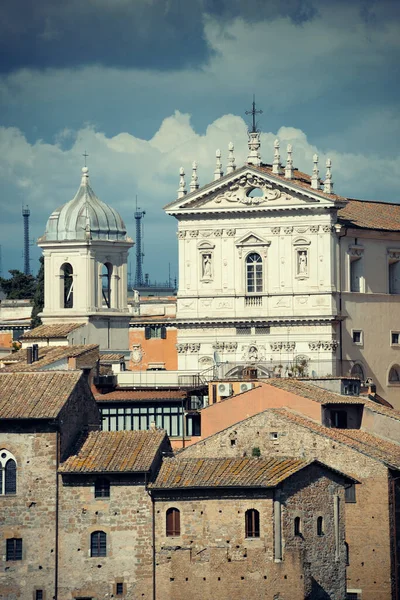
161, 34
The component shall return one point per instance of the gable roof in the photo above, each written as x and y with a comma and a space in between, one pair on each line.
57, 330
366, 214
38, 395
192, 473
48, 355
116, 452
367, 443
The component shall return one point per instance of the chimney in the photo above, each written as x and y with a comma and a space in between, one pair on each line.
35, 352
29, 358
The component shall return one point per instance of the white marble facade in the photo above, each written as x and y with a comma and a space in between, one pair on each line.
257, 273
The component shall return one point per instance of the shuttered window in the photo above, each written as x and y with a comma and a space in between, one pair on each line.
98, 544
252, 523
173, 522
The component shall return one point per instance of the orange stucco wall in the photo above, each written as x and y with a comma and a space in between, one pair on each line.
6, 339
220, 415
154, 350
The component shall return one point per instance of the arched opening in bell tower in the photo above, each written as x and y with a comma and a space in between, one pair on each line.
67, 285
106, 273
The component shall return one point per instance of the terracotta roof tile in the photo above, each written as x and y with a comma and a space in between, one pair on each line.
358, 439
225, 472
47, 356
39, 395
116, 451
371, 215
109, 357
313, 392
137, 395
56, 330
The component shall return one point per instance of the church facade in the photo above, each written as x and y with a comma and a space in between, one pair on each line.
279, 276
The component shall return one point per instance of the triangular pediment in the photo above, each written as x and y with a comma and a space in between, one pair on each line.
252, 239
252, 188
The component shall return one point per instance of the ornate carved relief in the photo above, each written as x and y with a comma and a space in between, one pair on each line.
288, 230
190, 348
218, 232
301, 229
240, 189
230, 232
275, 230
194, 233
181, 234
314, 228
327, 228
356, 251
328, 346
253, 352
394, 254
206, 361
285, 346
137, 354
206, 233
225, 346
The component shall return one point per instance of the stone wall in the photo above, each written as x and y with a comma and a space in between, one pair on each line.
30, 515
367, 520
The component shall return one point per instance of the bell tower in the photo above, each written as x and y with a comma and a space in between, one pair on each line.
85, 248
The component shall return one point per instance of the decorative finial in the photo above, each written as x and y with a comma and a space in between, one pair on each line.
85, 155
253, 112
328, 183
231, 159
315, 174
182, 183
85, 176
254, 157
218, 173
276, 165
194, 181
289, 163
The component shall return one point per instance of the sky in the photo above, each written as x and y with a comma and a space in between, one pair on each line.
147, 86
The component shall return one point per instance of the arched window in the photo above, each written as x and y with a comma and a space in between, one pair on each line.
254, 273
320, 526
98, 543
252, 523
297, 526
357, 371
173, 522
394, 374
67, 285
106, 283
8, 473
102, 488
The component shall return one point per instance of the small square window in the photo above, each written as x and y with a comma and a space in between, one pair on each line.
273, 435
39, 595
357, 337
119, 588
395, 338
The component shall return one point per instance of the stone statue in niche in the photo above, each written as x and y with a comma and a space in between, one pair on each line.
253, 353
302, 261
206, 265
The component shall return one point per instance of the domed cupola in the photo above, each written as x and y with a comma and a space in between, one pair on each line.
85, 217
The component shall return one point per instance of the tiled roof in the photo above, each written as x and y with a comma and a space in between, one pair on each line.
225, 472
116, 451
318, 394
39, 395
57, 330
363, 441
111, 357
137, 395
371, 215
47, 356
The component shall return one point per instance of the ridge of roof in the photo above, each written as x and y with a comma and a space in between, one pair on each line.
54, 330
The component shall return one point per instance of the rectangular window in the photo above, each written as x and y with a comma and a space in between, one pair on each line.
155, 332
39, 595
395, 338
119, 588
356, 275
339, 419
350, 493
14, 549
261, 330
357, 337
394, 277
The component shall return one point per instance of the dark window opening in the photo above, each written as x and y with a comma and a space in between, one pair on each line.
67, 282
339, 419
395, 338
106, 275
320, 526
252, 523
350, 493
297, 526
98, 544
8, 475
14, 549
346, 546
39, 594
173, 522
357, 338
102, 488
119, 588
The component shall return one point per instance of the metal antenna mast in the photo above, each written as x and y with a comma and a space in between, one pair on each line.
139, 214
25, 214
